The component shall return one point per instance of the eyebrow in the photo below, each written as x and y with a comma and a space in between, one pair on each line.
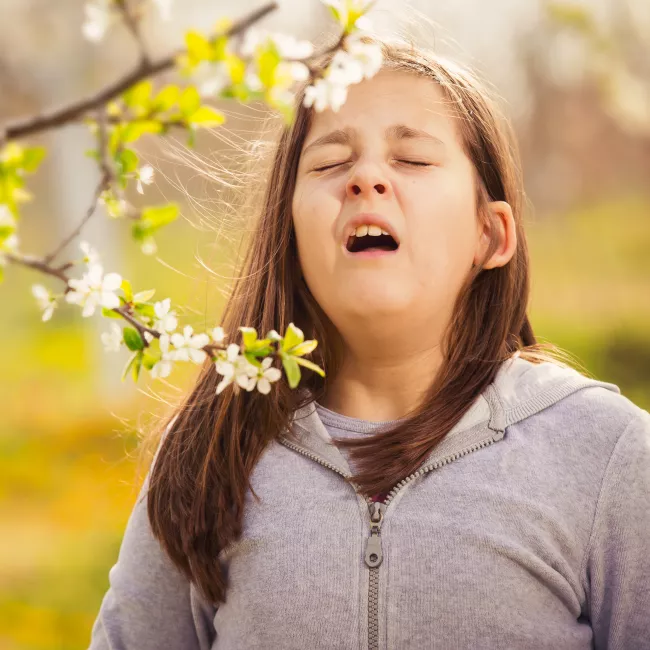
394, 132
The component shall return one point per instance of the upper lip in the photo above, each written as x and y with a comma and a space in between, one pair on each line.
368, 218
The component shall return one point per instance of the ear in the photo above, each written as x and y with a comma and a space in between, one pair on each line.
505, 234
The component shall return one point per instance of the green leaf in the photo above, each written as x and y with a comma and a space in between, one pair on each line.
109, 313
138, 96
135, 130
166, 98
143, 296
292, 370
126, 160
198, 48
303, 348
128, 292
292, 337
190, 101
145, 310
32, 158
206, 116
251, 358
133, 339
308, 364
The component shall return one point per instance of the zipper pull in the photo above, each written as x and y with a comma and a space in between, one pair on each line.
374, 554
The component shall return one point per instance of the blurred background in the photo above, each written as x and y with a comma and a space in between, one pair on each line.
574, 79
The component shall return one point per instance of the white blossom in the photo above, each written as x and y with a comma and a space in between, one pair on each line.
46, 302
112, 340
99, 17
94, 289
211, 78
166, 319
115, 207
189, 345
148, 246
163, 367
288, 46
322, 94
91, 256
234, 367
264, 376
145, 175
360, 61
6, 216
9, 245
218, 334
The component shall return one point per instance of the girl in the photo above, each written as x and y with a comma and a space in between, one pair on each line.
450, 483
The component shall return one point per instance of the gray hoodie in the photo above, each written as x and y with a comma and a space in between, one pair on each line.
528, 527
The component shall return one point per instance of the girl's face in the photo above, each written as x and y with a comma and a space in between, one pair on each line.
393, 150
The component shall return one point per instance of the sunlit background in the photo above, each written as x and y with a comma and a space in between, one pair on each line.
68, 423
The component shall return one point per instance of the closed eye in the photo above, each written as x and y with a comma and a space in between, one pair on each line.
407, 162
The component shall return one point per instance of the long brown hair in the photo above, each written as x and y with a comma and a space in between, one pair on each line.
203, 463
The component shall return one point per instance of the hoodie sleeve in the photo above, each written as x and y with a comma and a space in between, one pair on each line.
149, 604
618, 555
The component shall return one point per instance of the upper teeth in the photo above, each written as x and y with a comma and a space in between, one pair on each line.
374, 231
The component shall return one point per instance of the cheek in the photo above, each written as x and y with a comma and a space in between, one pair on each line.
313, 220
444, 235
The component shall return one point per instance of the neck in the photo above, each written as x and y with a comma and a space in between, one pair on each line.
376, 386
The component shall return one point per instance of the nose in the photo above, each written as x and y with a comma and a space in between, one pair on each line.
367, 179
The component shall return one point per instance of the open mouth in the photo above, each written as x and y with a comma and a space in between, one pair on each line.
371, 243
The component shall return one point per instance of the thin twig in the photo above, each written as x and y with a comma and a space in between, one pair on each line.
39, 265
72, 111
132, 22
101, 186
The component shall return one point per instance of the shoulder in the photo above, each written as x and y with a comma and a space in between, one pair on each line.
592, 420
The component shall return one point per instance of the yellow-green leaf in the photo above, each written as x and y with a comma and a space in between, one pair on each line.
128, 291
190, 101
166, 98
292, 370
308, 364
161, 215
143, 296
249, 336
302, 349
206, 116
32, 158
292, 337
198, 47
109, 313
135, 130
138, 96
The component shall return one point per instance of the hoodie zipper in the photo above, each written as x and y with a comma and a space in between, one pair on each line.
373, 552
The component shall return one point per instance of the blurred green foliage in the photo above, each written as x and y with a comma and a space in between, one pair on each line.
67, 476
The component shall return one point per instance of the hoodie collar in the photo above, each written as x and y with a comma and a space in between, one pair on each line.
520, 389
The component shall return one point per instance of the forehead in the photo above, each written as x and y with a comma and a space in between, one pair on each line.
391, 96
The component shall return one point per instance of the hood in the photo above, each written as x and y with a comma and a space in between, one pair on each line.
520, 389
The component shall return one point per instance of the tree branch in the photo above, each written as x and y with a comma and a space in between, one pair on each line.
145, 69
